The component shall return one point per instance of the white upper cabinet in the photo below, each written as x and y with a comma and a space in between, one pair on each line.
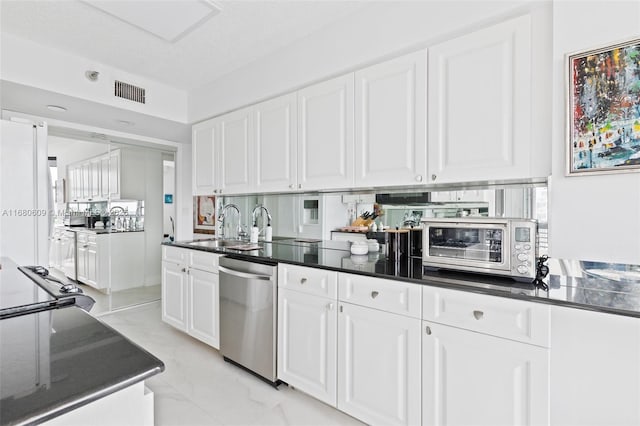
274, 144
325, 134
204, 154
390, 122
480, 105
236, 158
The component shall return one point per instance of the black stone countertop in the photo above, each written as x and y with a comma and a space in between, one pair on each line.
608, 288
58, 358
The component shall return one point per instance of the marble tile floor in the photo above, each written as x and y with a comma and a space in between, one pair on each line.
122, 298
199, 388
118, 299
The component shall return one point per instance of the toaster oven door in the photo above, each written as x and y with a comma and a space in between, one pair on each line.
467, 246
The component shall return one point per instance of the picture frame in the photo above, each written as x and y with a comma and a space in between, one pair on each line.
603, 109
204, 214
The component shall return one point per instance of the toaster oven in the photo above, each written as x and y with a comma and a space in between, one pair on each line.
498, 246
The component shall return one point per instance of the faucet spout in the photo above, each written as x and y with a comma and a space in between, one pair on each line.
222, 218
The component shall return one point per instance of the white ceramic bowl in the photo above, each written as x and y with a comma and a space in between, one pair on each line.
359, 247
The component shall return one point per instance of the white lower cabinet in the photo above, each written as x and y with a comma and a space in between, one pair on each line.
485, 360
190, 298
307, 341
203, 306
174, 291
471, 378
595, 368
378, 366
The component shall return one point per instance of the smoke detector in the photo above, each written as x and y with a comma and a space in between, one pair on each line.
92, 75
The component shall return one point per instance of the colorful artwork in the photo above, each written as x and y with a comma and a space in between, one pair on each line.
204, 212
604, 109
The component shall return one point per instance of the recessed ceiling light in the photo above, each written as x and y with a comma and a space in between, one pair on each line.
125, 122
56, 108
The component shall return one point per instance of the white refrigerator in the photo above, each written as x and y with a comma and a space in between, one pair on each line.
25, 193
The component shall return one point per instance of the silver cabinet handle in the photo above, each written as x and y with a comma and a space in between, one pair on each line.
428, 330
184, 269
291, 186
330, 306
303, 280
419, 178
299, 186
374, 294
434, 177
478, 314
341, 308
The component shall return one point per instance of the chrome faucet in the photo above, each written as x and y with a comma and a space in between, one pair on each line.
118, 223
258, 208
222, 217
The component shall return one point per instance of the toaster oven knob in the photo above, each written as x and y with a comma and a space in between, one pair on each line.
522, 257
523, 269
527, 247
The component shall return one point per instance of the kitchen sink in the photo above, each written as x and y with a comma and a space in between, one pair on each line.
215, 243
241, 245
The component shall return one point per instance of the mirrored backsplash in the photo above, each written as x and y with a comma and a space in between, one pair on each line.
313, 215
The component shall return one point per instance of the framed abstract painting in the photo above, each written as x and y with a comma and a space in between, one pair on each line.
603, 114
204, 214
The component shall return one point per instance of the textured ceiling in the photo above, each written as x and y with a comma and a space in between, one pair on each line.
243, 32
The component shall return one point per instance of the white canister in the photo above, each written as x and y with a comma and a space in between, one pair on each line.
253, 236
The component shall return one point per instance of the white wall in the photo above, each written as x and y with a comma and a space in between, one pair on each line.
382, 30
168, 187
590, 217
31, 64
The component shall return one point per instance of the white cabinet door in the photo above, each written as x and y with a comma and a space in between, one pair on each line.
378, 366
480, 105
474, 379
94, 172
204, 157
114, 174
174, 295
275, 144
81, 259
307, 337
203, 307
595, 368
86, 181
236, 165
390, 120
104, 177
92, 265
325, 134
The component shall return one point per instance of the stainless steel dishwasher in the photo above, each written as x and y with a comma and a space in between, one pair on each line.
248, 316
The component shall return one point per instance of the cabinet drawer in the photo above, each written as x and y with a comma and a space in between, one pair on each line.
387, 295
82, 237
519, 320
319, 282
203, 260
92, 238
174, 254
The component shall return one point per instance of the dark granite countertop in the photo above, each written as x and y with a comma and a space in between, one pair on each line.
615, 290
54, 356
21, 293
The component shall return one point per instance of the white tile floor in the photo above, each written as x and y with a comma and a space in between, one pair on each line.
199, 388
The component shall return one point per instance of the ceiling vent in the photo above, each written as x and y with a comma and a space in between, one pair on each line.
129, 91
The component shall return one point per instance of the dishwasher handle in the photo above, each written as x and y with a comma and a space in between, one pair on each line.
245, 274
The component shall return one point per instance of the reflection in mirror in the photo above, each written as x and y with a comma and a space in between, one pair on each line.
326, 216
